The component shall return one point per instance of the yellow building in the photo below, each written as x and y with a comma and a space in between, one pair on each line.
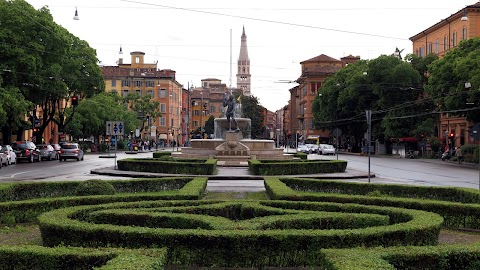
145, 79
439, 39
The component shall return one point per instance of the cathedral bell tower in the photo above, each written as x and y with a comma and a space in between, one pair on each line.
243, 67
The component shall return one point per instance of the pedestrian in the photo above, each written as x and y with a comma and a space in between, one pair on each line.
459, 155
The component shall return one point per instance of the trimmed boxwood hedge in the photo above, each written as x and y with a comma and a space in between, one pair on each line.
72, 258
271, 227
298, 166
175, 166
455, 214
182, 188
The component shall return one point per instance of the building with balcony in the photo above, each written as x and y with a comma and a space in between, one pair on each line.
439, 39
145, 79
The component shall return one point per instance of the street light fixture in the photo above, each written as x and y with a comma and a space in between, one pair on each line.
76, 18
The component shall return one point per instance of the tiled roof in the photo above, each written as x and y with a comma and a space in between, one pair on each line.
321, 70
115, 71
321, 58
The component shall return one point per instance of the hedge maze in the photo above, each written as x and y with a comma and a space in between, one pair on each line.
162, 223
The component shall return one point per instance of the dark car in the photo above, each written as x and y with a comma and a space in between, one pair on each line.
47, 152
26, 151
71, 151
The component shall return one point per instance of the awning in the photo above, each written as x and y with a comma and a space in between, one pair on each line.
163, 136
407, 139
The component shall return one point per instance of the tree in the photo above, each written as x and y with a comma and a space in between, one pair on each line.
386, 85
93, 113
12, 105
448, 75
144, 107
45, 62
251, 109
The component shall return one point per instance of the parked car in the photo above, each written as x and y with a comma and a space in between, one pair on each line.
313, 148
303, 148
3, 159
326, 149
71, 151
26, 150
47, 152
8, 150
57, 148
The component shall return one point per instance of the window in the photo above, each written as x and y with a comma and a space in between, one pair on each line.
437, 46
162, 93
196, 112
125, 93
445, 43
454, 39
421, 52
429, 48
464, 33
150, 93
114, 91
114, 83
137, 83
162, 121
139, 92
150, 83
126, 83
163, 107
137, 60
212, 109
195, 123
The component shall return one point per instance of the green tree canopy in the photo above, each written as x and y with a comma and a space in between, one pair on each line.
448, 75
93, 113
44, 61
251, 109
386, 85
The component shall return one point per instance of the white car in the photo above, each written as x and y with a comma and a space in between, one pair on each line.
303, 148
326, 149
11, 156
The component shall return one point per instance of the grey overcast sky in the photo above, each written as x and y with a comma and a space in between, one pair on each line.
199, 39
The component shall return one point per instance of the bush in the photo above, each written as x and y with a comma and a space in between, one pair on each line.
94, 187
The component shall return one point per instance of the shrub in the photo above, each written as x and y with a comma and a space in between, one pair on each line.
94, 187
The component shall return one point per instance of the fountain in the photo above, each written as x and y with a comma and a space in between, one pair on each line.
233, 147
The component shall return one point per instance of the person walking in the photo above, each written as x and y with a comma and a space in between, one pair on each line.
459, 155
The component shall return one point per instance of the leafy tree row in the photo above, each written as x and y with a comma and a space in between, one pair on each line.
405, 97
41, 66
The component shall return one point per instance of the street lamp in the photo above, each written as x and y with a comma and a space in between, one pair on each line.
369, 133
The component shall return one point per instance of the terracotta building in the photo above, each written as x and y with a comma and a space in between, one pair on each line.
145, 79
439, 39
299, 125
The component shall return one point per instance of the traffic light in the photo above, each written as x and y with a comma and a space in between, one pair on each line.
452, 134
205, 106
75, 101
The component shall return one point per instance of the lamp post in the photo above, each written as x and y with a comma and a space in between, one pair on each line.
369, 133
201, 115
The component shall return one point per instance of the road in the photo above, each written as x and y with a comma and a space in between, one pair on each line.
386, 170
431, 172
65, 170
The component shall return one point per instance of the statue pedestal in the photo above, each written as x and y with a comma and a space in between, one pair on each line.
232, 146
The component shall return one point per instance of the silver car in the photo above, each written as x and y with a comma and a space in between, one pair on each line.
70, 151
47, 152
11, 156
3, 158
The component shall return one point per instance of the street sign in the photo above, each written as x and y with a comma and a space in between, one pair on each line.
475, 131
115, 128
